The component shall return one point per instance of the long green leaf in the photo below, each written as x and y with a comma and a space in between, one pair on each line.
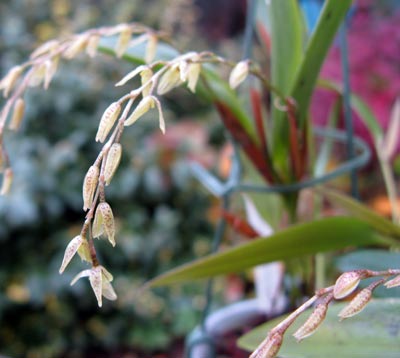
286, 54
305, 239
329, 21
373, 333
304, 80
362, 212
287, 42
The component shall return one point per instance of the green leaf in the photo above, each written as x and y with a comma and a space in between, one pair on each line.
287, 42
305, 77
355, 208
367, 117
373, 333
304, 239
373, 259
286, 54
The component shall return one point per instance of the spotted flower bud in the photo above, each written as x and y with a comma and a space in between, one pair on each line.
347, 283
104, 222
394, 282
313, 322
100, 280
269, 348
239, 74
89, 186
359, 302
7, 181
92, 45
143, 107
151, 48
112, 162
123, 41
8, 82
170, 79
18, 114
78, 245
3, 156
107, 121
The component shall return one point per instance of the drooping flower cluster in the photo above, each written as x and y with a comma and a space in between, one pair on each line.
156, 79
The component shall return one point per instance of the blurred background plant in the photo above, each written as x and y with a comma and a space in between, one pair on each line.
163, 216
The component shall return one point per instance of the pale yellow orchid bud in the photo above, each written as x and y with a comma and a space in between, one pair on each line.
92, 45
77, 45
169, 80
8, 82
151, 48
112, 162
347, 283
143, 107
145, 77
18, 114
239, 74
124, 38
7, 181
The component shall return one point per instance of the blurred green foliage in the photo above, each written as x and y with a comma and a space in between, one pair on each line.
160, 211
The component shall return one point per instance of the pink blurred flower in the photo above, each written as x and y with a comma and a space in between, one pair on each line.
374, 57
